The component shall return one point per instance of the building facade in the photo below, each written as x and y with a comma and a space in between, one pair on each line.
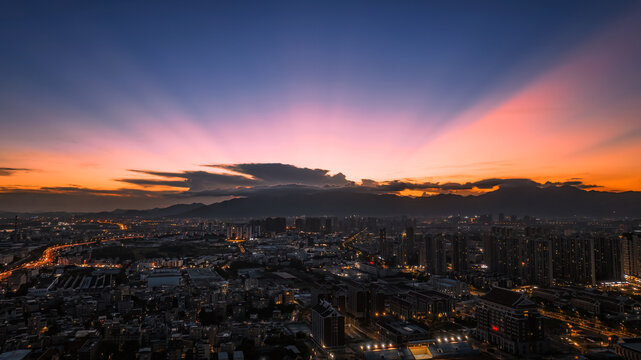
328, 325
511, 321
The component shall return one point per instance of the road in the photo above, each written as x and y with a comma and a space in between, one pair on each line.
347, 241
587, 324
48, 255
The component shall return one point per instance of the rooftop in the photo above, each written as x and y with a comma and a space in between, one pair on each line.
14, 355
506, 297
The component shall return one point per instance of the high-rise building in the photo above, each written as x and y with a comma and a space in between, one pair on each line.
382, 234
312, 224
378, 297
511, 321
608, 264
459, 254
408, 253
388, 248
17, 234
574, 259
328, 325
631, 254
539, 261
239, 231
505, 252
422, 251
328, 225
275, 225
357, 301
435, 255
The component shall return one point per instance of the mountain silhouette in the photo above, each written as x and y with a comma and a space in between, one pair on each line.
550, 201
296, 200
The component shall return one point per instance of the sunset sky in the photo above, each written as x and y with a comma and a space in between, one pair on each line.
411, 92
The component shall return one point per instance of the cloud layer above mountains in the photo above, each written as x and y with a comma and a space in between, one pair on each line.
150, 188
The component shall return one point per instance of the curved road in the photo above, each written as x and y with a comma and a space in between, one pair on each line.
48, 255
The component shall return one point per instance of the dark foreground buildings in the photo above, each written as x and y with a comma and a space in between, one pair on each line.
328, 325
511, 321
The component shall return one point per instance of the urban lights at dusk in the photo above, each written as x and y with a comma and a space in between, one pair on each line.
320, 180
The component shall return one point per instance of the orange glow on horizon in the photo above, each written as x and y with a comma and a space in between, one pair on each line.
567, 122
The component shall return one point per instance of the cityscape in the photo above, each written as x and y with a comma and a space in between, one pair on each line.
480, 287
332, 180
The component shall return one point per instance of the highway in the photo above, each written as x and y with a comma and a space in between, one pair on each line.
352, 238
587, 324
48, 255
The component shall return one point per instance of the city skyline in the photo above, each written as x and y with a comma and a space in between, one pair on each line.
412, 99
327, 180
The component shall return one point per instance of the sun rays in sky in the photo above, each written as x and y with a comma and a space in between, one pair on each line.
416, 93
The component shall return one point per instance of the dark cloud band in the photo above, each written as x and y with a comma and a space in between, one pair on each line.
6, 171
246, 180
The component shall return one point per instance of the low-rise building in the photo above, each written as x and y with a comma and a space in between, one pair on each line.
630, 349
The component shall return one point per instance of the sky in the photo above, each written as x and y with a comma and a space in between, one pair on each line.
137, 104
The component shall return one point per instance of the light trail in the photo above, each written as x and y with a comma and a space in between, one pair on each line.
48, 255
351, 239
587, 325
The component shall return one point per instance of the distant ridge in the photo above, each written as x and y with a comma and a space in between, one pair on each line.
530, 200
171, 211
553, 201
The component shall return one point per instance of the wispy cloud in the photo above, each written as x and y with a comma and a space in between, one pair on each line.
6, 171
620, 140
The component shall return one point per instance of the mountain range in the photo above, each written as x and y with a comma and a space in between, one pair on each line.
553, 201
